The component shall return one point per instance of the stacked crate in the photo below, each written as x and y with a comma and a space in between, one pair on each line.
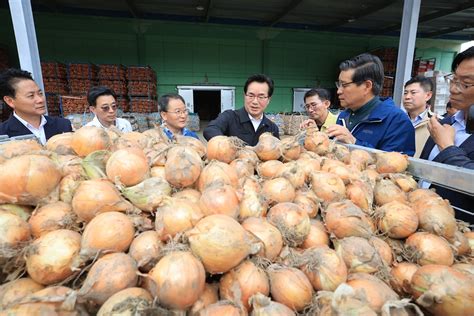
81, 78
388, 56
115, 77
142, 89
55, 84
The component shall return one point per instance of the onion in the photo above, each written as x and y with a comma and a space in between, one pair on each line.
278, 190
268, 147
435, 216
340, 169
23, 211
264, 306
223, 148
293, 173
16, 290
317, 236
51, 217
470, 238
93, 197
386, 191
107, 232
317, 141
131, 301
156, 155
344, 301
430, 249
28, 179
127, 166
404, 181
191, 142
88, 139
222, 308
267, 233
145, 249
15, 148
359, 254
383, 249
308, 201
361, 159
243, 167
242, 282
94, 164
109, 275
178, 280
391, 162
269, 169
13, 232
252, 204
176, 216
290, 286
217, 172
191, 195
221, 243
344, 219
324, 268
290, 148
68, 187
219, 199
183, 166
401, 275
149, 194
327, 186
158, 172
361, 194
133, 139
50, 256
308, 165
291, 221
376, 291
443, 290
460, 243
397, 220
467, 268
61, 144
342, 153
208, 296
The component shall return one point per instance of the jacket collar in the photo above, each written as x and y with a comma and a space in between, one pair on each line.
380, 111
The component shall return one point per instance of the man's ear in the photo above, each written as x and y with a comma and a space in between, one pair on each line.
9, 101
429, 94
92, 109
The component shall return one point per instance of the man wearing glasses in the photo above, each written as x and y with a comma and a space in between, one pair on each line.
249, 122
369, 120
103, 103
317, 104
174, 114
450, 142
20, 92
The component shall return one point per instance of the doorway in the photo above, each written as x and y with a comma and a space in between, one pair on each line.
207, 104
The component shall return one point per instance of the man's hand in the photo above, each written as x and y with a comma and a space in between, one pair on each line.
341, 134
307, 124
443, 135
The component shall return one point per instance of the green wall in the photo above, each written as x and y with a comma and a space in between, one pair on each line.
195, 53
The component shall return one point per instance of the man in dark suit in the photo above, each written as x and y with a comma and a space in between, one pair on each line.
20, 92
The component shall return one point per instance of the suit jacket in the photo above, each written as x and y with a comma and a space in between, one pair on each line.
54, 125
462, 156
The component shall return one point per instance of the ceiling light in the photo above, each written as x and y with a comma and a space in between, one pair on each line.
199, 8
351, 20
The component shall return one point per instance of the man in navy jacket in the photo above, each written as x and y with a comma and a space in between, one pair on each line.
19, 91
369, 120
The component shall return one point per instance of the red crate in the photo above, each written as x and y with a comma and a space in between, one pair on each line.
123, 104
55, 85
54, 70
112, 72
140, 73
52, 101
143, 105
82, 71
80, 86
119, 87
142, 88
73, 104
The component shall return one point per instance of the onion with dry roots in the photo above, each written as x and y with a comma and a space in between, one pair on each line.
149, 194
290, 286
189, 194
327, 186
178, 280
278, 190
404, 181
316, 141
49, 257
292, 171
220, 199
107, 232
191, 142
361, 193
397, 220
243, 167
127, 166
391, 162
345, 219
131, 301
267, 233
223, 308
15, 148
51, 217
375, 290
221, 243
264, 306
359, 254
291, 221
208, 296
268, 147
340, 169
217, 172
428, 248
324, 268
16, 290
14, 231
435, 216
61, 144
308, 165
132, 139
290, 148
401, 275
28, 179
318, 235
88, 139
223, 148
361, 159
460, 244
386, 191
269, 169
146, 249
242, 282
308, 201
176, 216
443, 290
183, 166
93, 197
108, 275
252, 204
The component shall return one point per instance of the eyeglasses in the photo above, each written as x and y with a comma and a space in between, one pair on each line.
259, 97
312, 105
461, 87
343, 85
179, 112
108, 107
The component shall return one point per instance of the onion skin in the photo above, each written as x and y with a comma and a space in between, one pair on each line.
51, 217
136, 299
127, 166
220, 199
386, 191
327, 186
208, 296
435, 217
391, 162
61, 144
278, 190
13, 231
145, 249
430, 249
267, 233
318, 235
263, 306
293, 173
217, 172
316, 141
88, 139
222, 148
397, 220
269, 169
17, 289
292, 222
359, 254
183, 166
401, 275
222, 308
345, 219
268, 147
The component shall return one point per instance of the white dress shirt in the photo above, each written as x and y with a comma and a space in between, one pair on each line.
121, 124
38, 132
256, 122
